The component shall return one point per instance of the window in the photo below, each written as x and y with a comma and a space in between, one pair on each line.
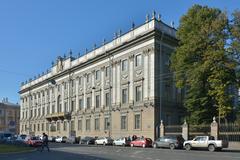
58, 126
107, 99
43, 111
53, 108
138, 60
80, 81
88, 78
34, 127
65, 85
88, 102
48, 110
39, 113
35, 112
66, 106
73, 106
124, 96
80, 104
107, 71
106, 123
97, 76
47, 126
124, 65
72, 125
72, 83
97, 101
79, 125
97, 124
124, 122
64, 125
88, 125
42, 126
38, 127
59, 88
138, 93
31, 114
137, 121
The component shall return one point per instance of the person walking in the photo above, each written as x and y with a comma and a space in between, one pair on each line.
45, 142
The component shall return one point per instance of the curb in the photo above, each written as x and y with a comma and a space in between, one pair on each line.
19, 152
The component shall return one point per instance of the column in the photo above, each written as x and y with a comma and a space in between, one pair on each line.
112, 80
93, 90
50, 100
131, 68
185, 130
84, 91
118, 82
214, 129
146, 74
62, 97
102, 85
77, 93
151, 76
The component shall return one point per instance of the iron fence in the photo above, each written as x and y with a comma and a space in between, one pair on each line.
199, 130
229, 132
173, 130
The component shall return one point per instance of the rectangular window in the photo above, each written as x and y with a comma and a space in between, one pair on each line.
97, 124
38, 127
43, 111
65, 85
106, 123
88, 78
64, 125
124, 122
124, 65
137, 121
97, 76
79, 125
66, 106
97, 101
124, 96
39, 112
35, 112
138, 60
72, 83
107, 99
42, 126
88, 102
58, 126
107, 71
80, 104
73, 106
53, 108
72, 126
138, 93
80, 81
47, 126
88, 125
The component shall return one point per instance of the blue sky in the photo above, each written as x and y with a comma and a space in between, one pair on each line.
33, 33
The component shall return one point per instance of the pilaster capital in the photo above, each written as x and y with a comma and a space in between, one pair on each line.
131, 56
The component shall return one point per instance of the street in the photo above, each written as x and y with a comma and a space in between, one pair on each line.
92, 152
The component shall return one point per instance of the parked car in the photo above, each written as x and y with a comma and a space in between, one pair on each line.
21, 137
104, 141
141, 142
51, 139
205, 142
123, 141
87, 140
61, 139
33, 141
71, 139
171, 142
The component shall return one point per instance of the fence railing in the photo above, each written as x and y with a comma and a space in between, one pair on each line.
230, 132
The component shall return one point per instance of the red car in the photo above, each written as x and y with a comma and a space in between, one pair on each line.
141, 142
33, 141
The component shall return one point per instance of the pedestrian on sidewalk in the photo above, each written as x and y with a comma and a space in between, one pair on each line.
45, 142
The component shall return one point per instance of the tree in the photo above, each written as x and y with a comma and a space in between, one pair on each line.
201, 64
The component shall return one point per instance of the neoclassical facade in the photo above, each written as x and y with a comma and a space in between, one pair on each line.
124, 87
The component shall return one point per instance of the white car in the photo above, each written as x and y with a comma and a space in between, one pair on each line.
122, 142
61, 139
104, 140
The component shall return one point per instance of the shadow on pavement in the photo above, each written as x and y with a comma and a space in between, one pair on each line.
52, 155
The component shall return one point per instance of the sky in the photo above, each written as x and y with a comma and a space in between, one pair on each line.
34, 33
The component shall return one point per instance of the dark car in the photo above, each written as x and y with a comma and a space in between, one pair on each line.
87, 140
171, 142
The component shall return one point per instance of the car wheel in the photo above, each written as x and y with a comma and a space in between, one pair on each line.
132, 145
211, 148
172, 146
188, 147
143, 145
114, 144
154, 145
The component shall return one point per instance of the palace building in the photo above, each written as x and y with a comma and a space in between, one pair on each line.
122, 88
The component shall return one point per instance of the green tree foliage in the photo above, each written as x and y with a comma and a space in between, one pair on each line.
202, 64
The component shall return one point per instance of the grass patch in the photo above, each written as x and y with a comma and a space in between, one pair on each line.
5, 148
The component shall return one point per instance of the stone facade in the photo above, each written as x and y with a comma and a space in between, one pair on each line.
9, 117
121, 88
